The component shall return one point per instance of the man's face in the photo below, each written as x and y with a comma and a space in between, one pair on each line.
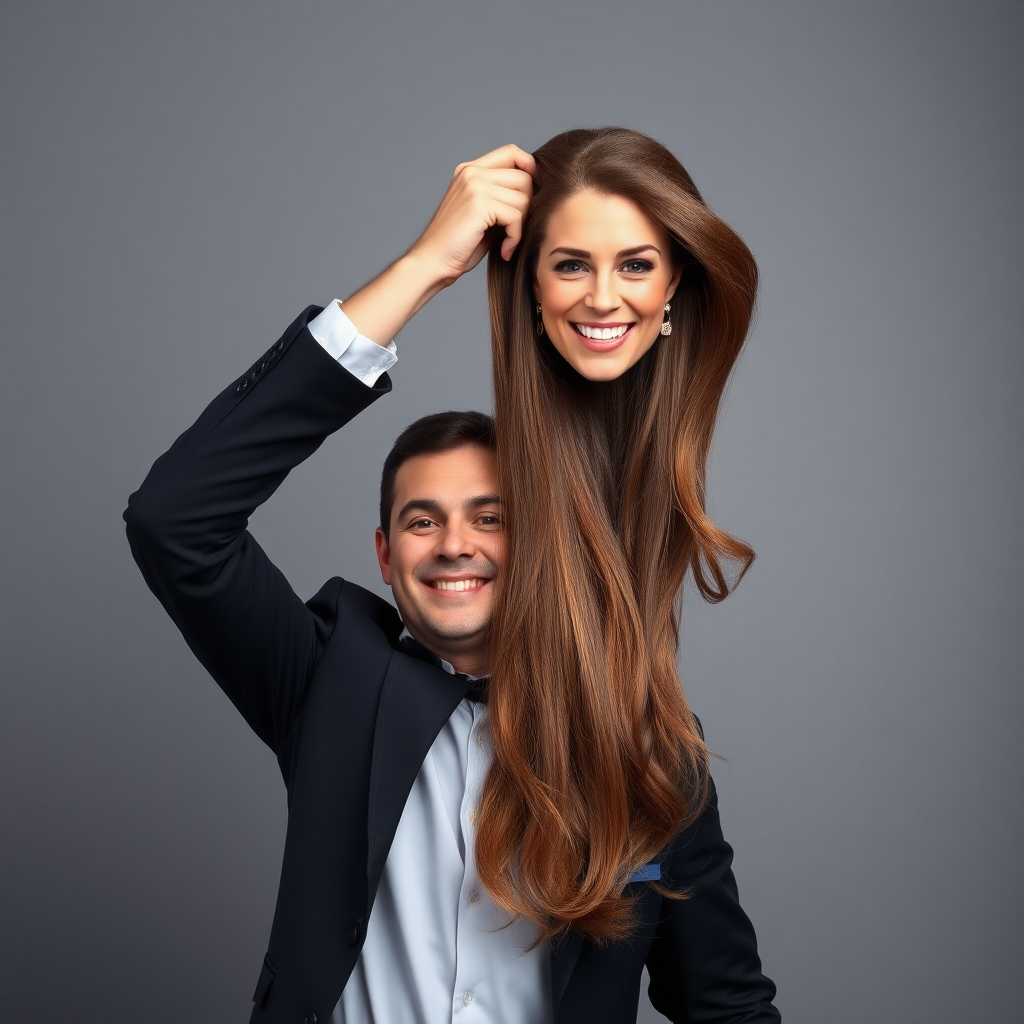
444, 552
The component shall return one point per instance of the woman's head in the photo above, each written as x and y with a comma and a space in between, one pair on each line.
604, 273
608, 192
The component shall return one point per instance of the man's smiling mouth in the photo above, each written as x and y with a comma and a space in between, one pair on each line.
474, 583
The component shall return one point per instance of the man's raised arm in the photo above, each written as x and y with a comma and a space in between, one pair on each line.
187, 523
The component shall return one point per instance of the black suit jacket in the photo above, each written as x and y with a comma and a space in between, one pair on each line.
351, 719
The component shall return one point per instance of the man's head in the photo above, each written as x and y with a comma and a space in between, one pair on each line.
441, 542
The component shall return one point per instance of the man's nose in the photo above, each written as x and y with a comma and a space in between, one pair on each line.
456, 542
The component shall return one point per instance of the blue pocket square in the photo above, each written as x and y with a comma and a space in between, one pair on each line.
648, 873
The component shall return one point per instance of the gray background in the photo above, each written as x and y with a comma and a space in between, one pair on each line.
179, 180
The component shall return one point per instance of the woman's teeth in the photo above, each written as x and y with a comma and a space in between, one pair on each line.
602, 333
459, 584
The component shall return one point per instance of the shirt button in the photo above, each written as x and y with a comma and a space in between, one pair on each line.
474, 896
472, 817
467, 998
479, 739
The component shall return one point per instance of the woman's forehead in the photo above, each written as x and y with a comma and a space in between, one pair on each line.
598, 222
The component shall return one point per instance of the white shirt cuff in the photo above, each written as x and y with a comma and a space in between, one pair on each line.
359, 355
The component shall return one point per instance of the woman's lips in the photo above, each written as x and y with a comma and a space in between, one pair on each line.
602, 344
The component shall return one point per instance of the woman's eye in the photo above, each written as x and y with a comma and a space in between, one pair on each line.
638, 266
569, 267
489, 520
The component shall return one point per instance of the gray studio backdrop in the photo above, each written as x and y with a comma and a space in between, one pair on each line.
179, 180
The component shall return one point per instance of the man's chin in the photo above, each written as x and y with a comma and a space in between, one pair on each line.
446, 623
451, 629
454, 632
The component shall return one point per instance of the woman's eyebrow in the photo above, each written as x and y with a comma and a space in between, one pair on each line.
583, 254
639, 249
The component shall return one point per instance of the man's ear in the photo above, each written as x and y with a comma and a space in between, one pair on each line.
383, 555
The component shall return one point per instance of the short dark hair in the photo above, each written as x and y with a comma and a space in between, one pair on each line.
431, 435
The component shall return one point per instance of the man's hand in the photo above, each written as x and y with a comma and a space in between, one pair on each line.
491, 191
488, 193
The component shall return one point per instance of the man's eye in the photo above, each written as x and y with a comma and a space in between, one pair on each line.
489, 520
638, 266
418, 524
569, 267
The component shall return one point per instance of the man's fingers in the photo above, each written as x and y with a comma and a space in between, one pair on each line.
509, 245
507, 156
507, 215
510, 217
507, 177
507, 197
493, 191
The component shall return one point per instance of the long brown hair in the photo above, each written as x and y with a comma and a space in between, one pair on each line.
598, 761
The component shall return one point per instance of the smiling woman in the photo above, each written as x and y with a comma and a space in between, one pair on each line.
605, 275
615, 324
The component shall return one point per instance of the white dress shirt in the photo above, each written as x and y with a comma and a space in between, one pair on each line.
438, 949
359, 355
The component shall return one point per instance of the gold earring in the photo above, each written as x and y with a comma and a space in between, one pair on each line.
666, 324
540, 323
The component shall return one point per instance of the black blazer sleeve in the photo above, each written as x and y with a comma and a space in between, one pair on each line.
703, 962
187, 526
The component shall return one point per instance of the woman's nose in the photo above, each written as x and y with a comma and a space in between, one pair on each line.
603, 297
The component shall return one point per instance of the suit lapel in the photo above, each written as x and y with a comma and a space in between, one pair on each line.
565, 951
416, 700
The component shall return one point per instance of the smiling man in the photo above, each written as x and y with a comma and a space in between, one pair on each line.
440, 540
378, 719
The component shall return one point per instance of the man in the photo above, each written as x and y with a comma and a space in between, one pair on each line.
378, 719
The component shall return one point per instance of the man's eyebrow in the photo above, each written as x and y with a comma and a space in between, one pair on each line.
583, 254
481, 499
420, 505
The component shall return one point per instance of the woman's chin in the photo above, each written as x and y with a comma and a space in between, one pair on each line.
601, 367
601, 374
596, 365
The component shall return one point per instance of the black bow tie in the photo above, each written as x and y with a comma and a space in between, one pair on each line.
476, 689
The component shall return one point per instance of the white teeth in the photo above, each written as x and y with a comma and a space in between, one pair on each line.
602, 333
459, 584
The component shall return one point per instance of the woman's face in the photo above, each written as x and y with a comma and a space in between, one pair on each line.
604, 274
